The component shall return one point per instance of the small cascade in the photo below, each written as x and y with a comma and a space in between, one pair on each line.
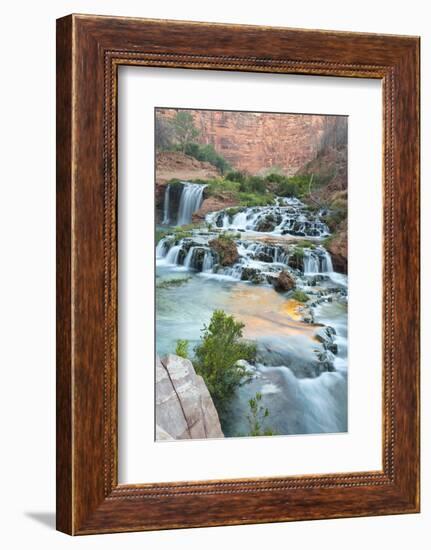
317, 260
208, 262
190, 201
189, 261
173, 255
166, 219
267, 253
288, 216
199, 258
327, 262
162, 247
311, 262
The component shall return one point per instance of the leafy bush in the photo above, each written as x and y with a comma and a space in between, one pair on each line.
207, 153
254, 199
298, 252
300, 296
219, 185
275, 177
216, 356
236, 175
185, 130
164, 133
253, 184
295, 186
174, 181
258, 413
182, 348
334, 217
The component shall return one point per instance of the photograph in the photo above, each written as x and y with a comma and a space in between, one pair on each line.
251, 284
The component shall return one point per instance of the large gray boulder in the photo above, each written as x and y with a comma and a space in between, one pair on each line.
184, 407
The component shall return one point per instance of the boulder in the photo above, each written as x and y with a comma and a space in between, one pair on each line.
283, 282
253, 275
184, 407
268, 223
226, 250
326, 336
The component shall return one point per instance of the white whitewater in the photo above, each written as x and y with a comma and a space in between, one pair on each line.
190, 201
166, 219
317, 261
287, 217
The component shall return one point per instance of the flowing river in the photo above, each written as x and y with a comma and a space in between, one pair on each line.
301, 367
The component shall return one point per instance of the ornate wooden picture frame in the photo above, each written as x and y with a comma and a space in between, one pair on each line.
89, 51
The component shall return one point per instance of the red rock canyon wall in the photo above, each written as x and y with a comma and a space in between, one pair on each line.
255, 142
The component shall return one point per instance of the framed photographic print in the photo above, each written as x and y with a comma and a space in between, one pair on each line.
237, 274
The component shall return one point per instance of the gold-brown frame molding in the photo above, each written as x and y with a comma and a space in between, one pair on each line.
89, 51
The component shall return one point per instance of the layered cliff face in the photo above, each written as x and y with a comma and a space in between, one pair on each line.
255, 142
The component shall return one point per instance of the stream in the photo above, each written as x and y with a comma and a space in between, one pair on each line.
301, 366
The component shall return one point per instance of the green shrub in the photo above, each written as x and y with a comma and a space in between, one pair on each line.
182, 348
300, 296
184, 129
236, 175
335, 217
253, 184
258, 413
207, 153
174, 182
275, 177
220, 185
295, 186
254, 199
298, 253
216, 356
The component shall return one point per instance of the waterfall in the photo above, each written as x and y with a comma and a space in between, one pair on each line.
287, 217
188, 262
199, 258
311, 262
166, 219
208, 263
327, 262
317, 261
162, 247
190, 201
173, 255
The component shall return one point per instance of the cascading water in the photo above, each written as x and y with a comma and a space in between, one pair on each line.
302, 379
173, 255
190, 201
317, 261
287, 217
166, 219
195, 254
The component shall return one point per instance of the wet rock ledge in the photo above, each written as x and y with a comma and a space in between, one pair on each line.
184, 407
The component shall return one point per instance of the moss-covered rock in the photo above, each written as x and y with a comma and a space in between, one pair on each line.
226, 250
253, 275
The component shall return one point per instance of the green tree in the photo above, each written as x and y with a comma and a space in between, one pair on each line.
182, 349
164, 133
185, 130
221, 347
258, 413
